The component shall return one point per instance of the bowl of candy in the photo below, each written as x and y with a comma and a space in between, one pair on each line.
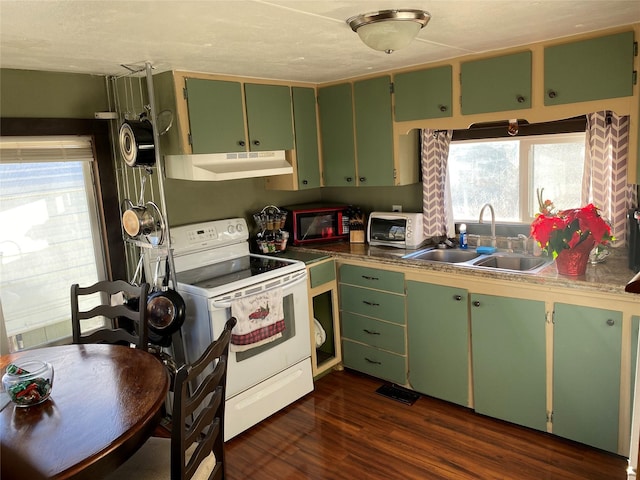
28, 382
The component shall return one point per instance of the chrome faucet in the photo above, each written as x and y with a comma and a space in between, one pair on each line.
493, 222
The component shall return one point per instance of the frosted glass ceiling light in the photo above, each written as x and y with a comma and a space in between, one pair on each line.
389, 30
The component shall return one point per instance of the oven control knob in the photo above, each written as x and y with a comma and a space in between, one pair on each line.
239, 227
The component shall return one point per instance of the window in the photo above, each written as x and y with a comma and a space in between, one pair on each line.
506, 172
49, 234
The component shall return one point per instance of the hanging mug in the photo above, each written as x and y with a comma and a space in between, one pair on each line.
136, 143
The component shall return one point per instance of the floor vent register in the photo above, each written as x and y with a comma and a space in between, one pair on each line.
398, 393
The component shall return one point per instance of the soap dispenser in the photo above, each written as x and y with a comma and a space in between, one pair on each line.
463, 235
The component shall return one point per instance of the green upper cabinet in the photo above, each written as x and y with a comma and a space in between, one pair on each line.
336, 127
306, 137
269, 117
587, 346
509, 366
216, 118
423, 94
587, 70
374, 131
438, 335
496, 84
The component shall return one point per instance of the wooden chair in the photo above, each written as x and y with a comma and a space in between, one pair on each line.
196, 448
135, 311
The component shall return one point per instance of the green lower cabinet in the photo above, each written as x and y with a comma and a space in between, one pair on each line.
509, 367
438, 336
586, 374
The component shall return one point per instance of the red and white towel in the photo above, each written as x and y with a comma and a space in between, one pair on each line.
260, 320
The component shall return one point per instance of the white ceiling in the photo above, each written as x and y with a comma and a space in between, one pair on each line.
297, 40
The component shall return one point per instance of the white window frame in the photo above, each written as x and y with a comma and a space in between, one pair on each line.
58, 149
526, 189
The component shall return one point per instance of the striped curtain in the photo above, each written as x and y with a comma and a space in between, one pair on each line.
436, 194
605, 171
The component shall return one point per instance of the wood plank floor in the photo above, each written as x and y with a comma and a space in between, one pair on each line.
344, 430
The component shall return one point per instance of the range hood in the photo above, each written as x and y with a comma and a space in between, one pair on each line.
214, 167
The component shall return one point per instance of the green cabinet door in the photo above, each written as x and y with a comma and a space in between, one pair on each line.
306, 137
509, 368
216, 118
635, 329
337, 137
269, 117
438, 335
374, 131
496, 84
586, 374
589, 69
423, 94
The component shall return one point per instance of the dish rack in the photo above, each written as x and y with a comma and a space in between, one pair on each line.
271, 238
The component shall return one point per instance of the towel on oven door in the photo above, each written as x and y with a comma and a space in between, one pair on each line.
260, 320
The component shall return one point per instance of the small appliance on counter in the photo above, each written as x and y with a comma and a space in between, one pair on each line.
317, 223
633, 217
396, 229
272, 237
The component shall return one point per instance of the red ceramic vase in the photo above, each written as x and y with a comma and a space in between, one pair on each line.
573, 261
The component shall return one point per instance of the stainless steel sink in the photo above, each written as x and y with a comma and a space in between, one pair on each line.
452, 255
520, 263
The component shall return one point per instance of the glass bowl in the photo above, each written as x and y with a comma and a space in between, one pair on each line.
28, 382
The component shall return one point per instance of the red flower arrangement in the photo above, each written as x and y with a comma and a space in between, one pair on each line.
581, 228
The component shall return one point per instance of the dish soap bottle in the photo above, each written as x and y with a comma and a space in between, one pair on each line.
463, 236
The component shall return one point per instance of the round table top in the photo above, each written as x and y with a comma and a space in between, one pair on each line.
105, 402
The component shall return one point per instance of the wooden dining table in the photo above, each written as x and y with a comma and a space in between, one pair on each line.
105, 402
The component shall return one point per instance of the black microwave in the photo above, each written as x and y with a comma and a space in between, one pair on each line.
317, 223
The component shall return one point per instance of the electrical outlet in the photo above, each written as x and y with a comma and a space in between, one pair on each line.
396, 208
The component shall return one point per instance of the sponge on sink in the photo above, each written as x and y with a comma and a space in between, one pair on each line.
485, 250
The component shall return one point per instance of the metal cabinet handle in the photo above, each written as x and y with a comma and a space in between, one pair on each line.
370, 332
552, 94
366, 277
373, 361
476, 303
256, 142
241, 143
520, 99
305, 182
371, 304
363, 179
442, 108
611, 322
457, 298
349, 179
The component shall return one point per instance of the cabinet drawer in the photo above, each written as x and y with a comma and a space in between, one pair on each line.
372, 278
374, 362
372, 303
386, 336
322, 273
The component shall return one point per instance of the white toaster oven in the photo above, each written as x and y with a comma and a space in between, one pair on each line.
396, 229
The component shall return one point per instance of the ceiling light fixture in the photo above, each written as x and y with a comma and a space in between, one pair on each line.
389, 30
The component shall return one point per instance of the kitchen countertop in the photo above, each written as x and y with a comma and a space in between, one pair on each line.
304, 256
611, 276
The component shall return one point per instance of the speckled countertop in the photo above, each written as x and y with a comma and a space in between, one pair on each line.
609, 276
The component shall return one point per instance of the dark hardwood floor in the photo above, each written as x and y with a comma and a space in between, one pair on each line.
344, 430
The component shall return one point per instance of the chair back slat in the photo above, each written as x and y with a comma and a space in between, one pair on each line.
116, 314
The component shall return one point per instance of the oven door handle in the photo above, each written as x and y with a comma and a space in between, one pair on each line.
289, 283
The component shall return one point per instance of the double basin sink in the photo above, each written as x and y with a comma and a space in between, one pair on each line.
513, 262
